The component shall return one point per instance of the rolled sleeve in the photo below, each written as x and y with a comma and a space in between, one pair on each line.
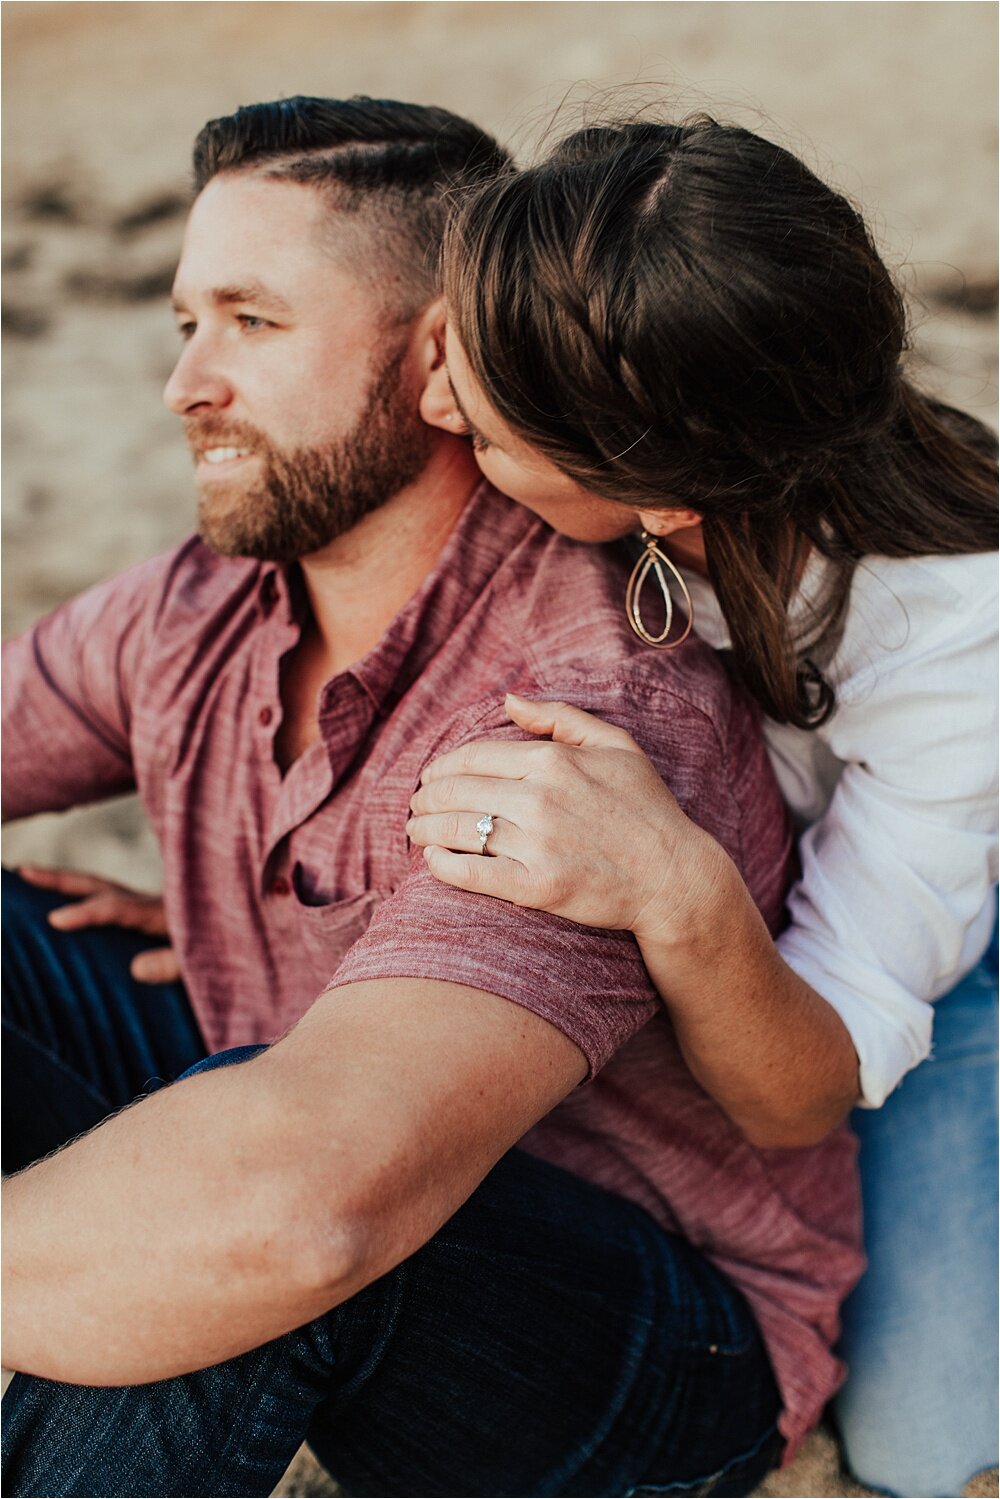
894, 905
591, 985
891, 1029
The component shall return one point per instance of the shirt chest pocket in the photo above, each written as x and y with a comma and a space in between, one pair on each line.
324, 933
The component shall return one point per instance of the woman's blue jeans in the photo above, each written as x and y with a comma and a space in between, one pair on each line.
550, 1339
918, 1414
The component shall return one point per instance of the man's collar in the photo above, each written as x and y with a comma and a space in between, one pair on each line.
489, 528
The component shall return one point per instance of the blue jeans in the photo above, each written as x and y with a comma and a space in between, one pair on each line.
550, 1339
918, 1414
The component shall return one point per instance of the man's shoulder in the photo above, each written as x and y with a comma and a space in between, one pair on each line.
187, 578
158, 615
194, 579
561, 611
566, 606
558, 625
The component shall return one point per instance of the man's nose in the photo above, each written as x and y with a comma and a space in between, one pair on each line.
196, 383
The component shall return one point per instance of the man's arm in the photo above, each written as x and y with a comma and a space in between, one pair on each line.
67, 689
242, 1202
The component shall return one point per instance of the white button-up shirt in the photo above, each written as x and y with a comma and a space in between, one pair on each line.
897, 797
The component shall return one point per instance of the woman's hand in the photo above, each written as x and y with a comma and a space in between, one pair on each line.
583, 825
104, 903
585, 828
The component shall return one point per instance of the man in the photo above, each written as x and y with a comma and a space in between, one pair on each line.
258, 1251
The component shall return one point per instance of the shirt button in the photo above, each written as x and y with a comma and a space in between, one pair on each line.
264, 717
280, 886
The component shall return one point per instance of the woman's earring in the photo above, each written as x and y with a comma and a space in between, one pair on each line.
653, 560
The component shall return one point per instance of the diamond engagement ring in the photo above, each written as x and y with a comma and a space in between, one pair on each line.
484, 828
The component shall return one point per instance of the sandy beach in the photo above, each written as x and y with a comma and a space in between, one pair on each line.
895, 102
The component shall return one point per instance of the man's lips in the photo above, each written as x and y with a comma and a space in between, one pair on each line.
223, 455
220, 456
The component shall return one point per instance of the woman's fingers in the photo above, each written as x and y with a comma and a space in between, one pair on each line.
97, 910
502, 878
457, 831
502, 759
108, 904
568, 728
458, 793
566, 725
158, 966
103, 904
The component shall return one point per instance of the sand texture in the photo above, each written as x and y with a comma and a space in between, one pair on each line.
816, 1471
893, 101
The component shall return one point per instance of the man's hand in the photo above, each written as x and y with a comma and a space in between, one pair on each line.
104, 903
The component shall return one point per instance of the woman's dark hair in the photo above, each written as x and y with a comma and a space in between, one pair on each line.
684, 315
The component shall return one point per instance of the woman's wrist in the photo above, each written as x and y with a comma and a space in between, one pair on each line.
698, 898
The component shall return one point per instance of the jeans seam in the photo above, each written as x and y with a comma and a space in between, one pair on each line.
705, 1482
400, 1277
612, 1416
56, 1061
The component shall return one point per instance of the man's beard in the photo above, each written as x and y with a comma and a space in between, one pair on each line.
307, 497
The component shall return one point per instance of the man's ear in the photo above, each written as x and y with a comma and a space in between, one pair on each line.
436, 404
663, 522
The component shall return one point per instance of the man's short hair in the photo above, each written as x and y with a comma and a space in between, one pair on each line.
389, 168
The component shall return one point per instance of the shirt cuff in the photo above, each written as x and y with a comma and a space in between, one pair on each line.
591, 985
891, 1030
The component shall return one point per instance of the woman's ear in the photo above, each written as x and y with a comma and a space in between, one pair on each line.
665, 522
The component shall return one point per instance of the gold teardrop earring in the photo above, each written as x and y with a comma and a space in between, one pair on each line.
654, 561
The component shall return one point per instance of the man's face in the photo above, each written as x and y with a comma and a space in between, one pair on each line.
299, 399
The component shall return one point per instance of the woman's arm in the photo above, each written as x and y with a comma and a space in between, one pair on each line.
585, 828
758, 1038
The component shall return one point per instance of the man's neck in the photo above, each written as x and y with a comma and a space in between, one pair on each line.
357, 585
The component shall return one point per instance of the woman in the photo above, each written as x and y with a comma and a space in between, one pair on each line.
684, 319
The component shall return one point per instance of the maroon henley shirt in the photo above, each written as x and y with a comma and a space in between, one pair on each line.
280, 887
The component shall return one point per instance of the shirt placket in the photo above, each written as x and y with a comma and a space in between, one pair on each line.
345, 716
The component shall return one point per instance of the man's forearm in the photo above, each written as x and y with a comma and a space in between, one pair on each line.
167, 1239
240, 1203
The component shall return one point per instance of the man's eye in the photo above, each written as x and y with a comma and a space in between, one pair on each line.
185, 330
251, 323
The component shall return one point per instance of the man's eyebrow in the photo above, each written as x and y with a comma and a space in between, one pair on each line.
247, 291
